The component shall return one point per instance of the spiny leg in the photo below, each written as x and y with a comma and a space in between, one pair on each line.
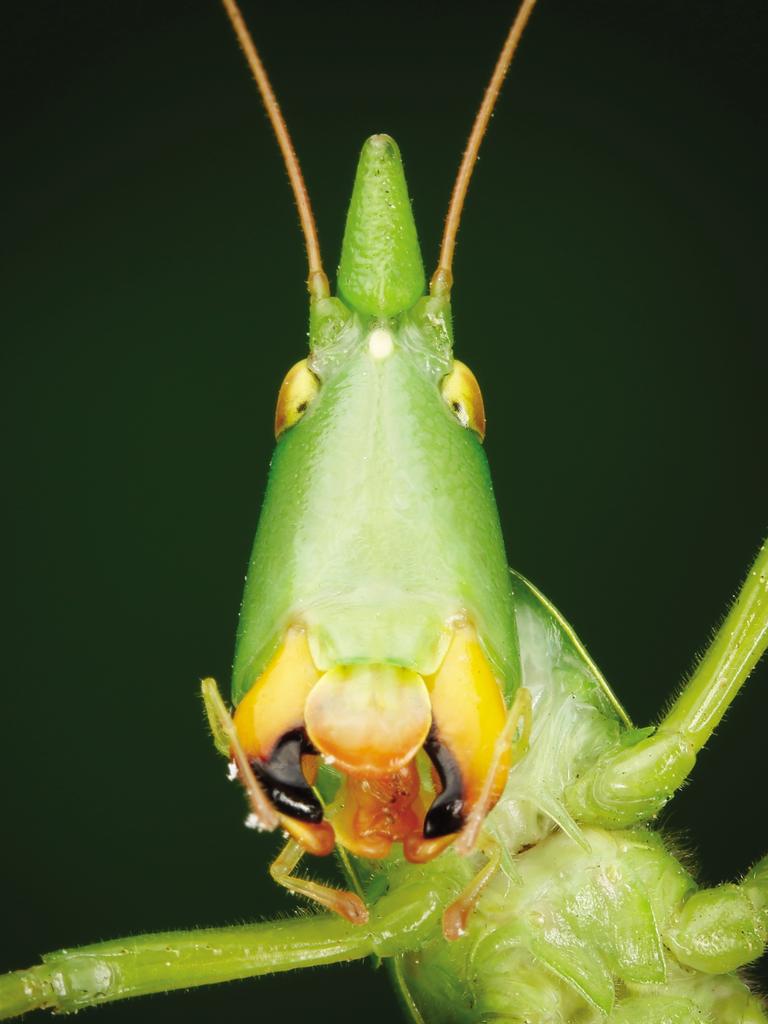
719, 930
511, 744
72, 979
456, 915
347, 904
267, 748
226, 740
633, 784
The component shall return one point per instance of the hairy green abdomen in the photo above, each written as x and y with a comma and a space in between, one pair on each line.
579, 936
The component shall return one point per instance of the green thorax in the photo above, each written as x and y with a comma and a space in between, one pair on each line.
379, 523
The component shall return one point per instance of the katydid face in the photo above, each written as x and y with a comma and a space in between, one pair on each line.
379, 545
378, 634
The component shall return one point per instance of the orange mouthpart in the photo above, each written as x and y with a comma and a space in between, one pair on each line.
369, 815
370, 720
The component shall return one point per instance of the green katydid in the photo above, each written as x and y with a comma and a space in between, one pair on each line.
449, 873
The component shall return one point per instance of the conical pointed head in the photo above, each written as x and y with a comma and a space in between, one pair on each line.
381, 272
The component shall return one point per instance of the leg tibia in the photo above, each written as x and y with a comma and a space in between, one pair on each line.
346, 904
69, 980
457, 913
102, 973
226, 740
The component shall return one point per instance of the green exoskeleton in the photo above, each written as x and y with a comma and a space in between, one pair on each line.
402, 697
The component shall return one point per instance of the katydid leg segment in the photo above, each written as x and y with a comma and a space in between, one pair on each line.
70, 980
633, 784
345, 904
719, 930
621, 871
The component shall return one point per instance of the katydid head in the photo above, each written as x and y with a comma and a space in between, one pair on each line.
377, 645
390, 599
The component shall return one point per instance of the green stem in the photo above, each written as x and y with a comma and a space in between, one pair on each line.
72, 979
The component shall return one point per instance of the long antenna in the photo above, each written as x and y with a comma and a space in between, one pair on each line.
442, 279
317, 282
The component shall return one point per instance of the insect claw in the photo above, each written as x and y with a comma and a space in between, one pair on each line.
351, 907
346, 904
455, 921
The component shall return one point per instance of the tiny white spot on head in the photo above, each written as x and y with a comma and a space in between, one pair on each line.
380, 343
232, 771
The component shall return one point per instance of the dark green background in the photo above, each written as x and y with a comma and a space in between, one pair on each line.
610, 295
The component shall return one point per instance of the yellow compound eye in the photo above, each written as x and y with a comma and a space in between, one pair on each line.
462, 393
296, 392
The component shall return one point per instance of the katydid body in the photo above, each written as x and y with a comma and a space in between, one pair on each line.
379, 540
382, 629
581, 925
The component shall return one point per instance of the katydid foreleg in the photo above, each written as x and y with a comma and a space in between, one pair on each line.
70, 980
